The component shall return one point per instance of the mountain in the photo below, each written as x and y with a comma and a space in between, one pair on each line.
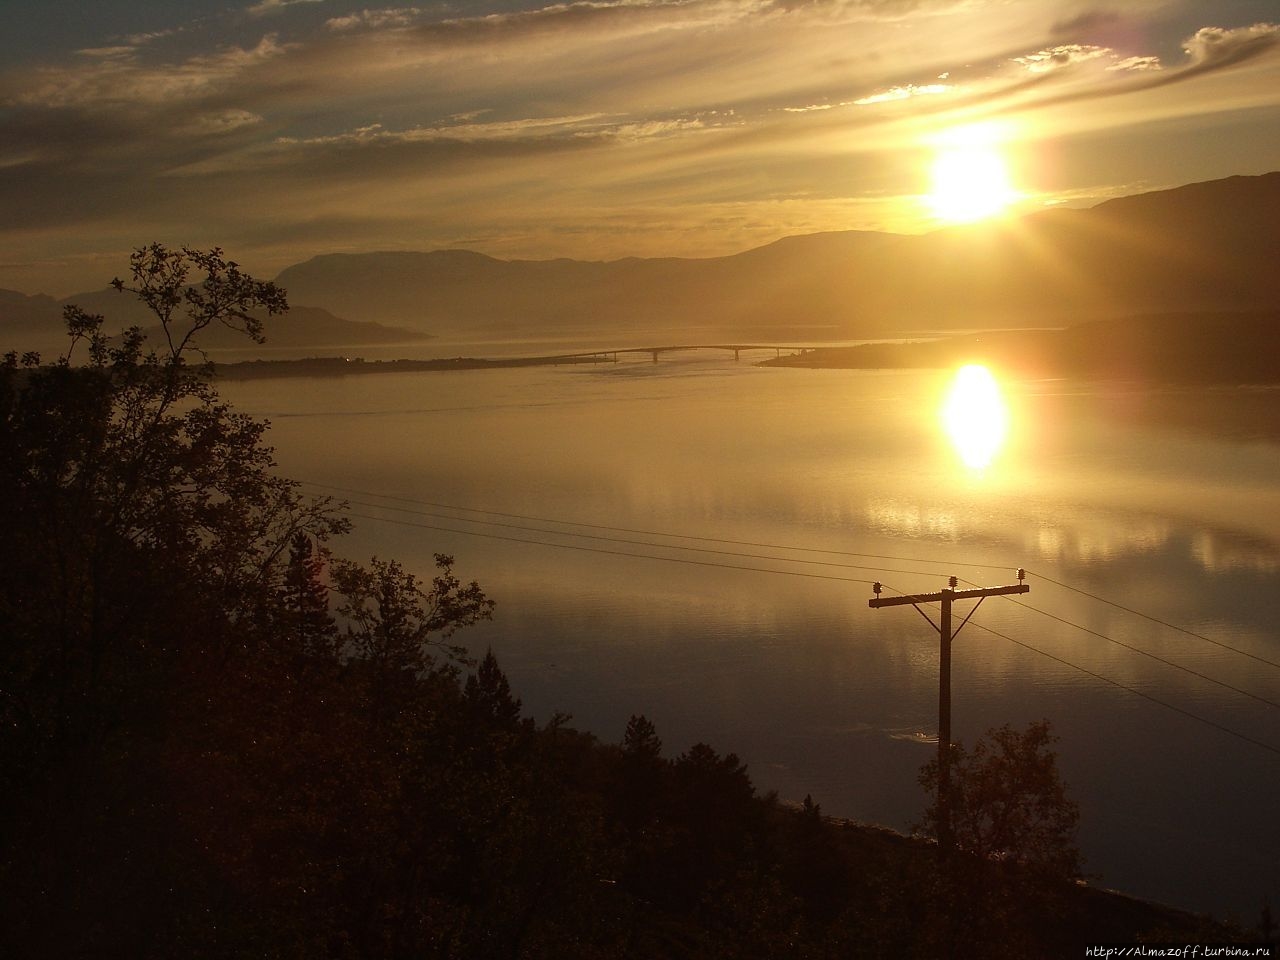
793, 285
30, 323
1204, 246
35, 323
1183, 348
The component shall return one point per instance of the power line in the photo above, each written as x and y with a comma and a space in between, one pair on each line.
1145, 653
794, 549
818, 576
1163, 623
1124, 686
653, 533
615, 553
638, 543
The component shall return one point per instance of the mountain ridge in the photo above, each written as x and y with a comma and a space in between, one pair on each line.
35, 323
1202, 245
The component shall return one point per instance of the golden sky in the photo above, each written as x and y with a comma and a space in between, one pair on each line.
600, 129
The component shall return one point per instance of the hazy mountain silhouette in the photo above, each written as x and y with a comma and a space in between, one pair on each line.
1205, 246
30, 323
35, 323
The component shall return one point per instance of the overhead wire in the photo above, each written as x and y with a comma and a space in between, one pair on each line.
1134, 690
1139, 650
1153, 619
1123, 686
639, 543
615, 553
792, 573
656, 533
787, 547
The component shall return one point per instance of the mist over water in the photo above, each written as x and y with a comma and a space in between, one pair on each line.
1161, 500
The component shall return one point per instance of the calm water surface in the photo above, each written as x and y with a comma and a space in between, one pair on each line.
1165, 501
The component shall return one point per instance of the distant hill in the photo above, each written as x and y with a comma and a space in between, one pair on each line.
30, 323
1206, 246
1184, 348
35, 323
794, 287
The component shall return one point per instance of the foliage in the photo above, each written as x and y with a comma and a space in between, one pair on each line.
224, 295
1008, 803
393, 622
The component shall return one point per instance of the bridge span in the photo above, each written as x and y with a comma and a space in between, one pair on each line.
736, 348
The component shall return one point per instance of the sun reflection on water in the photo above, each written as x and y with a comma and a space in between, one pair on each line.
975, 416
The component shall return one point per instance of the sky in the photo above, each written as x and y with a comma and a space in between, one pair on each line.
284, 129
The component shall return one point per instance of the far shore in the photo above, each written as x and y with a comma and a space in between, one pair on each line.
1183, 348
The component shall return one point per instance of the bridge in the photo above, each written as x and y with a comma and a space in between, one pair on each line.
611, 356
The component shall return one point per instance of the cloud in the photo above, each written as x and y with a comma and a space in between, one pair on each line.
1209, 50
463, 132
1065, 55
526, 130
1137, 63
222, 122
375, 19
391, 117
122, 79
1077, 73
268, 7
141, 39
1213, 47
905, 93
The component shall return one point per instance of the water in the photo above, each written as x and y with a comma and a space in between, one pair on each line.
1162, 500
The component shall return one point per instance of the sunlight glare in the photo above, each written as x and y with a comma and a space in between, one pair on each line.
970, 178
975, 416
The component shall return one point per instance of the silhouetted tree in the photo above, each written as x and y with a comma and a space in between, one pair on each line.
1015, 849
304, 597
1008, 803
488, 694
392, 621
169, 745
641, 742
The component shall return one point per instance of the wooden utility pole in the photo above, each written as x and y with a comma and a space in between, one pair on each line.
945, 635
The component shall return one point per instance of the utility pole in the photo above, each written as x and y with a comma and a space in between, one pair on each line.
945, 635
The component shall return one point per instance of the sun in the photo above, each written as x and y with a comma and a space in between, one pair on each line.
969, 176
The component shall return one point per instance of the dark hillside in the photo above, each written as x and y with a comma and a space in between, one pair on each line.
1204, 247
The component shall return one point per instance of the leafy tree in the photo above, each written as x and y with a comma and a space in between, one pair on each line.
224, 295
392, 621
138, 509
184, 724
1008, 802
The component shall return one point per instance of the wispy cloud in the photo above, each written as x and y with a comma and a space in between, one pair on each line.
1065, 55
118, 76
375, 19
268, 7
904, 93
1137, 63
1209, 50
374, 119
